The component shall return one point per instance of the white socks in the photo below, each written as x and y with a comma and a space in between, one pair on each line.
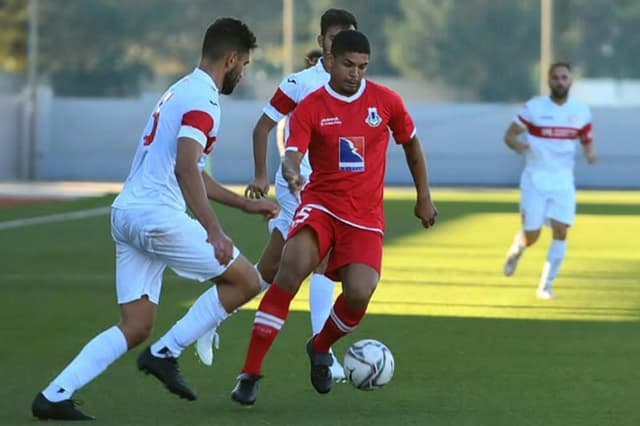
206, 313
320, 300
92, 360
557, 252
518, 244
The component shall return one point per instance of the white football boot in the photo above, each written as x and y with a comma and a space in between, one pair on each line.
545, 293
337, 371
205, 346
511, 263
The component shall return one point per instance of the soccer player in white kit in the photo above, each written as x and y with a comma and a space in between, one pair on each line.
293, 89
553, 125
152, 230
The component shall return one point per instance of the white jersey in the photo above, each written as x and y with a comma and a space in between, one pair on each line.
552, 134
293, 89
190, 108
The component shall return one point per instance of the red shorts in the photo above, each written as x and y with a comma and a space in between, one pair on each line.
347, 243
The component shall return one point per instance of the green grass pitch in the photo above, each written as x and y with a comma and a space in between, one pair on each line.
471, 346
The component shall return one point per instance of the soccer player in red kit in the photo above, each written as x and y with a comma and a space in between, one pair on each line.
345, 126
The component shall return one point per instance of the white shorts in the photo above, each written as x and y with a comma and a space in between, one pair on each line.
538, 206
288, 205
149, 240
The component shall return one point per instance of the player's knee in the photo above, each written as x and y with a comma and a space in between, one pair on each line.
253, 283
531, 237
290, 275
289, 278
136, 333
359, 296
560, 233
267, 270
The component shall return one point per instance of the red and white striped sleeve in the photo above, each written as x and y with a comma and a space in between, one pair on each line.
197, 125
285, 99
586, 132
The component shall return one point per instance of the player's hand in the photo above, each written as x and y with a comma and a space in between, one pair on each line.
521, 147
591, 157
426, 211
222, 246
296, 182
266, 208
258, 188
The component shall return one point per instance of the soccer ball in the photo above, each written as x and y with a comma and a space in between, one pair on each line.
368, 365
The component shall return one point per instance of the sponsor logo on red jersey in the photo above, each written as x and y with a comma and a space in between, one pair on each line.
351, 153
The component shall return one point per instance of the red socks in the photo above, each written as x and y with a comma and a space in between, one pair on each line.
342, 320
270, 317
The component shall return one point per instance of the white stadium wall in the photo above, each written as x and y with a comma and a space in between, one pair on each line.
94, 139
10, 125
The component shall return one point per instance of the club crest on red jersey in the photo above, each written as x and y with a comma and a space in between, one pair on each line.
373, 118
351, 153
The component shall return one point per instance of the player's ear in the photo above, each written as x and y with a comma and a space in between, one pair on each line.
329, 61
231, 59
320, 40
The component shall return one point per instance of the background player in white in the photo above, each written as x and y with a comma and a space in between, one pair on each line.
293, 89
310, 59
152, 230
553, 125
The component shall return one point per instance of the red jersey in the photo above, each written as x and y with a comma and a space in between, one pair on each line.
347, 140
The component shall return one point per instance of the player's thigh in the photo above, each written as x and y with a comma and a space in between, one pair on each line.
562, 207
138, 272
309, 240
322, 267
354, 245
533, 208
184, 248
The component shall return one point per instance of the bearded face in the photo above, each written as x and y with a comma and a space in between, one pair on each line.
231, 79
559, 82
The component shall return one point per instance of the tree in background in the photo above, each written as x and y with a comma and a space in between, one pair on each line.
600, 37
371, 15
13, 35
484, 49
489, 49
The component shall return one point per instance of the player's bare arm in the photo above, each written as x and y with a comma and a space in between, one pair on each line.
195, 194
424, 210
513, 138
217, 192
589, 152
291, 170
259, 187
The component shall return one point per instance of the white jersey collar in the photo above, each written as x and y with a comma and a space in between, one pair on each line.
347, 99
319, 66
203, 76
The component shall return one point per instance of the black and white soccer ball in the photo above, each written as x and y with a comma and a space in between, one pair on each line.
368, 365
